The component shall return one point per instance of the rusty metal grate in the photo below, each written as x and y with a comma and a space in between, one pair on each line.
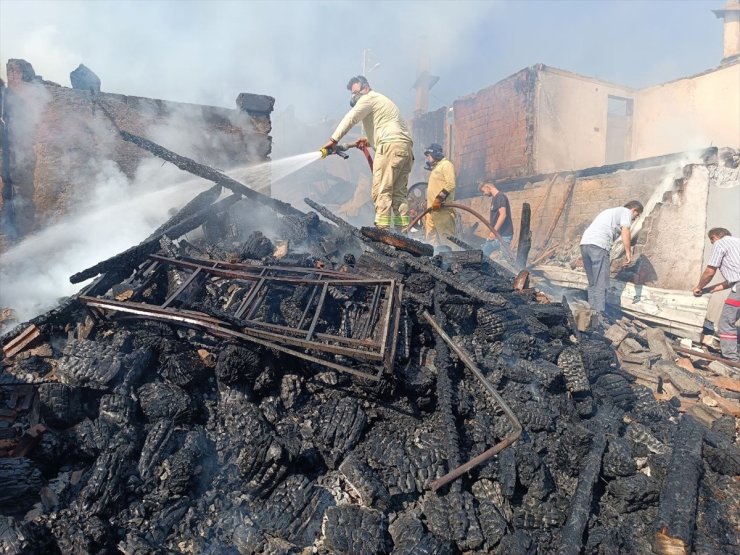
369, 343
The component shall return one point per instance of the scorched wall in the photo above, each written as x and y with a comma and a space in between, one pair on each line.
61, 142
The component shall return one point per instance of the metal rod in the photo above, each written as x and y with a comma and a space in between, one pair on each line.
319, 306
500, 446
185, 285
214, 328
394, 334
338, 278
706, 356
368, 327
308, 306
248, 298
387, 321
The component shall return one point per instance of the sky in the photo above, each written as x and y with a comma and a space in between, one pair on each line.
303, 52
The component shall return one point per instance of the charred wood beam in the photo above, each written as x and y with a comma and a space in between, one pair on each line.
417, 264
398, 241
525, 236
510, 438
201, 170
449, 279
130, 258
206, 172
443, 363
678, 497
199, 202
571, 537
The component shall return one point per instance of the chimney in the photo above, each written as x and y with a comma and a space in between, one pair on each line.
731, 14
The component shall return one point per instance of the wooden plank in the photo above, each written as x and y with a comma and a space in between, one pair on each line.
641, 374
726, 383
670, 372
723, 404
20, 342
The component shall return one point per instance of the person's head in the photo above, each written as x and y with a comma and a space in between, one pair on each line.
433, 154
716, 233
488, 188
634, 206
358, 86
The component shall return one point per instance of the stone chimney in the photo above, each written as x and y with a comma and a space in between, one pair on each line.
731, 15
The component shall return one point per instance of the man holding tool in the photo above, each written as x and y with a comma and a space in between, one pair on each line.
725, 257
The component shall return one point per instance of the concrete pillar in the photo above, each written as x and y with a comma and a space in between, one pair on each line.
731, 16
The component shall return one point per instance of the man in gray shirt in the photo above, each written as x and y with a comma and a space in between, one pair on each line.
596, 243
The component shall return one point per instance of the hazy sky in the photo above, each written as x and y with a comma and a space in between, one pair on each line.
303, 52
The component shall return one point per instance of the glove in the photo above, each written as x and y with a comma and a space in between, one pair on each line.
328, 148
439, 199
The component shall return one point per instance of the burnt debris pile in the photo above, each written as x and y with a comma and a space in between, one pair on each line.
233, 394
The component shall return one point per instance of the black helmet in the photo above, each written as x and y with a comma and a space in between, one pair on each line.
435, 150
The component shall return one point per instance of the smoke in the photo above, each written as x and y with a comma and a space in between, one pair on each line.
303, 52
35, 273
118, 214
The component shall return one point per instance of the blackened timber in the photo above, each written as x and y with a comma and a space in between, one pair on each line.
201, 170
199, 202
130, 258
571, 537
443, 363
525, 236
416, 263
678, 497
449, 279
398, 241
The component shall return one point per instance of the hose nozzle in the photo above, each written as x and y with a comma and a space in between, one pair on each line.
339, 150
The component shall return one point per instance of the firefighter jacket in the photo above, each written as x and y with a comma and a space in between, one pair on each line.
380, 118
442, 177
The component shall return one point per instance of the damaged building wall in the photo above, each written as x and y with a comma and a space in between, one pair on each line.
587, 197
543, 120
673, 236
573, 125
493, 131
61, 142
431, 127
688, 113
680, 191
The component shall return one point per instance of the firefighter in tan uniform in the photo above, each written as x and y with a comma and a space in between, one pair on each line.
440, 223
388, 134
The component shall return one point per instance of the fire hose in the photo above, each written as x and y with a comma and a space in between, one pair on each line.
456, 206
341, 150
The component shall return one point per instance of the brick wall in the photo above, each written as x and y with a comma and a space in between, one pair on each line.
494, 131
61, 140
590, 195
426, 129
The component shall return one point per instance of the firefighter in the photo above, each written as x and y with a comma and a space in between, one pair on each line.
440, 223
388, 134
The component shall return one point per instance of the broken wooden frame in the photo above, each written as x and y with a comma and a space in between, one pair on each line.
373, 342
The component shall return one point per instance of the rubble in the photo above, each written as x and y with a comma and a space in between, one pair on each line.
351, 397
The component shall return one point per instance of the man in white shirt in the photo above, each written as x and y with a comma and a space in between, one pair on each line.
595, 245
725, 257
